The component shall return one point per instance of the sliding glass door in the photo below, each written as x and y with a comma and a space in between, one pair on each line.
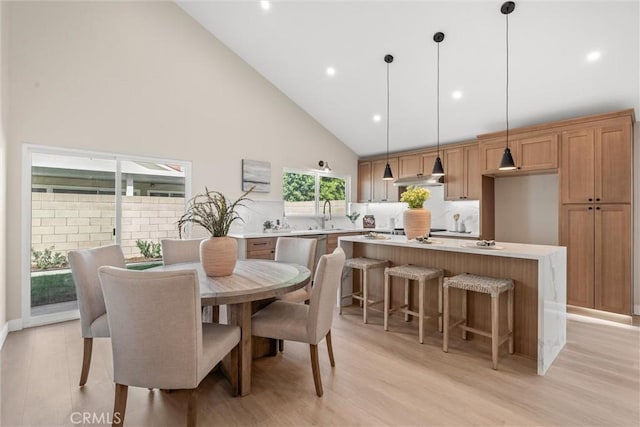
85, 200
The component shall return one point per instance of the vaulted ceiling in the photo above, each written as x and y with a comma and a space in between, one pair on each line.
566, 59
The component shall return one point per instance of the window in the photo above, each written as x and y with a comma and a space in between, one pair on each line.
313, 193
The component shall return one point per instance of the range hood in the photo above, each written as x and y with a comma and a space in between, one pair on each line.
419, 181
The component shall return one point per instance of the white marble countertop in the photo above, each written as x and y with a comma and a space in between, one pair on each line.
511, 250
257, 234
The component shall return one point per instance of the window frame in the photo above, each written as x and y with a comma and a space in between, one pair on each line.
28, 150
317, 175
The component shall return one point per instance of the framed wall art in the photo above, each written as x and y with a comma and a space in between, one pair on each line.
256, 173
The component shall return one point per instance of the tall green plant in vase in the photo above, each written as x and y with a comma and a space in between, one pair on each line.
416, 219
213, 212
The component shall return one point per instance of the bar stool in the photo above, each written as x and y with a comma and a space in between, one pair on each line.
422, 275
363, 264
486, 285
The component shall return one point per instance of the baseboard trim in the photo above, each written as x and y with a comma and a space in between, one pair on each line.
3, 334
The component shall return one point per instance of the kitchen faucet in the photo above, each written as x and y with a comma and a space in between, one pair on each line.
324, 211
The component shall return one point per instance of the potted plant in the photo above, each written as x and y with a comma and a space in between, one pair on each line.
215, 214
353, 216
417, 219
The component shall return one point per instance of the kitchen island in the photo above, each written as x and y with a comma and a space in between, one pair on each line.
539, 274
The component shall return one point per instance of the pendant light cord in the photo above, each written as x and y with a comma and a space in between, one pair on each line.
438, 108
387, 113
507, 89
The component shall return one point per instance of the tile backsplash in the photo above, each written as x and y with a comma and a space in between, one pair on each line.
390, 214
387, 215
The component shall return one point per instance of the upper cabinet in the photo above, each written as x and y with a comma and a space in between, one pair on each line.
462, 179
531, 153
596, 164
371, 186
409, 165
427, 160
364, 181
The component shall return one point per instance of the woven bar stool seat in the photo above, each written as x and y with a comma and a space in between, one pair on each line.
364, 265
422, 275
486, 285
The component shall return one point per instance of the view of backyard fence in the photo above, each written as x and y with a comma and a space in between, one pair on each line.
76, 221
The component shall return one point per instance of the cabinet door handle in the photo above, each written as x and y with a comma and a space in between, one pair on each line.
597, 199
590, 207
598, 208
591, 200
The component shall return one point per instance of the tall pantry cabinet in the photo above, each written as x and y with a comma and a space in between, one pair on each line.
596, 173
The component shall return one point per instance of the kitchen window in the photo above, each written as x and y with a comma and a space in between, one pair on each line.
314, 193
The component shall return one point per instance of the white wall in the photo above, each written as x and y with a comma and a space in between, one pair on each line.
143, 78
527, 209
3, 170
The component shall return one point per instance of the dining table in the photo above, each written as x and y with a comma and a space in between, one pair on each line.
251, 280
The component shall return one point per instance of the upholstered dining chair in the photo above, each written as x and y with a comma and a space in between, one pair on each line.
311, 323
157, 338
298, 251
93, 315
175, 251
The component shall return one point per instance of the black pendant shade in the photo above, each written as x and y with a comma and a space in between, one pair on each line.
388, 176
507, 163
387, 173
438, 170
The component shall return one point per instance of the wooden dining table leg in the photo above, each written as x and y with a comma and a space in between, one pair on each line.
240, 315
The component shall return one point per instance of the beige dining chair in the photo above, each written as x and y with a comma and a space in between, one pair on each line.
93, 315
297, 251
311, 323
157, 338
175, 251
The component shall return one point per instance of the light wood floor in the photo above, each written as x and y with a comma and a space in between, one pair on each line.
379, 379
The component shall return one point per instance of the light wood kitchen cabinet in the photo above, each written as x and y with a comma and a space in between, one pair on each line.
261, 248
462, 180
371, 186
409, 165
596, 164
364, 181
531, 153
383, 191
332, 239
427, 160
598, 241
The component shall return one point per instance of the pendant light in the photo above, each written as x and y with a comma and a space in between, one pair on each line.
438, 169
507, 162
388, 176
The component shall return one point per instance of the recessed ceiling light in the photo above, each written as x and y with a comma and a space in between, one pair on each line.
377, 118
593, 56
265, 5
456, 94
331, 71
